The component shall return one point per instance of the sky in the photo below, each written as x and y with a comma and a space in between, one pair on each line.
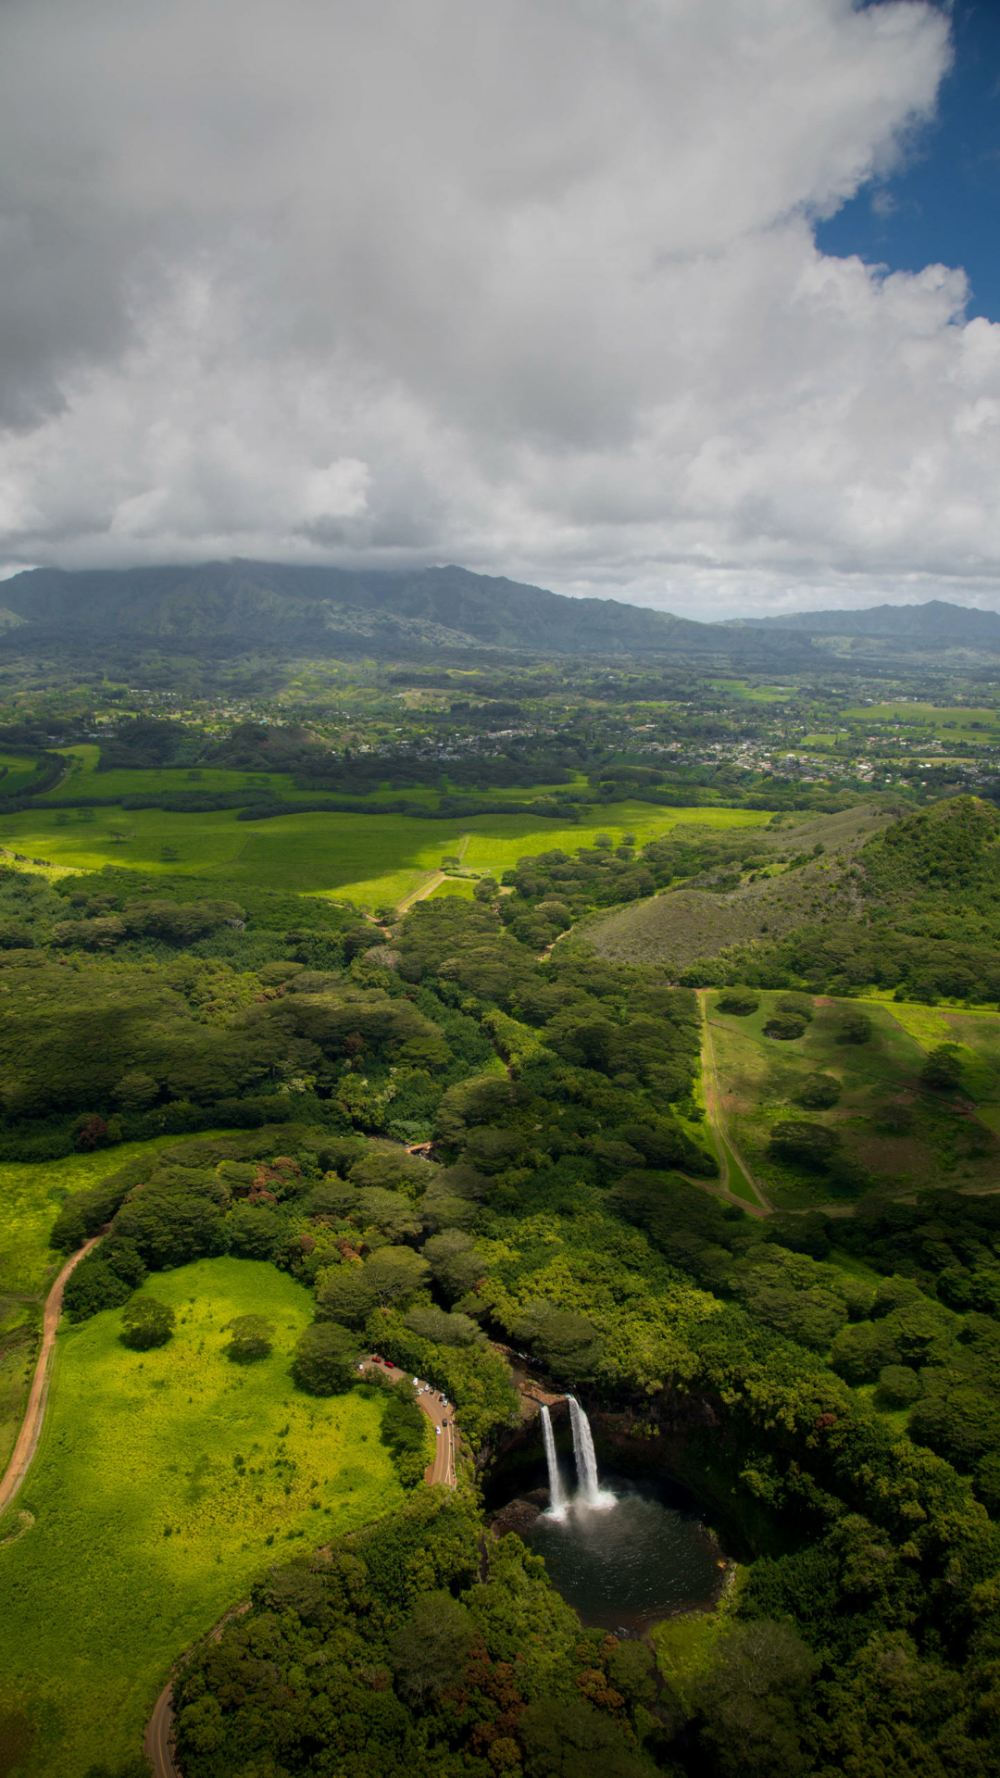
692, 303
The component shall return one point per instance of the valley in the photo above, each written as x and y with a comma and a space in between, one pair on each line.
625, 1033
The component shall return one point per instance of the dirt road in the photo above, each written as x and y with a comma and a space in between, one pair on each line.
31, 1429
724, 1142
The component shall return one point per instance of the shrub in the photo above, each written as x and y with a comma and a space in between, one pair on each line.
251, 1339
147, 1323
785, 1027
855, 1027
942, 1070
818, 1092
811, 1145
739, 1002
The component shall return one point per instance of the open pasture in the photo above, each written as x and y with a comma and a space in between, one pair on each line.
31, 1193
885, 1119
16, 773
370, 859
165, 1482
957, 719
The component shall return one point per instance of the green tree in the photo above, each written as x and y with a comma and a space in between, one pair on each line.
430, 1652
786, 1027
749, 1700
818, 1092
136, 1090
738, 1002
942, 1070
395, 1273
326, 1359
347, 1294
147, 1323
454, 1260
568, 1738
250, 1339
810, 1145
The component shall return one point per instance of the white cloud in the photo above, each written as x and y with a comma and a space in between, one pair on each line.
530, 285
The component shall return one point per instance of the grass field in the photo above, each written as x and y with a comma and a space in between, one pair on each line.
755, 694
17, 773
165, 1482
956, 718
948, 1141
370, 859
31, 1193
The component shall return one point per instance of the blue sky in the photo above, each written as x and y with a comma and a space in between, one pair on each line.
944, 203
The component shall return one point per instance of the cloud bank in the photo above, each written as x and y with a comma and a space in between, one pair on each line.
529, 285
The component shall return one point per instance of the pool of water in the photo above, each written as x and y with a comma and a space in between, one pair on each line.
624, 1565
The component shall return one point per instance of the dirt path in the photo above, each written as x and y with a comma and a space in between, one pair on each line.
724, 1141
420, 894
436, 877
31, 1428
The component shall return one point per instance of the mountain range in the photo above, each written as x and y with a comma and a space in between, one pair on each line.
240, 605
933, 623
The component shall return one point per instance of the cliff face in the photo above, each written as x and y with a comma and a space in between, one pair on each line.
682, 1439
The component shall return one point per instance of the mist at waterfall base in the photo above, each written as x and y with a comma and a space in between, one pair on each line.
616, 1550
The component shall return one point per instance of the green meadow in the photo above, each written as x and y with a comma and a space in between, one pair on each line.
31, 1193
760, 1079
957, 717
165, 1482
370, 859
16, 773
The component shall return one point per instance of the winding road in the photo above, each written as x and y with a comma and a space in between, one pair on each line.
31, 1427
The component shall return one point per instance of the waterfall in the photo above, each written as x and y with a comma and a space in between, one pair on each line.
557, 1497
589, 1492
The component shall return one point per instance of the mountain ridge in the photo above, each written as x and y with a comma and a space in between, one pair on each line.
259, 602
247, 603
933, 621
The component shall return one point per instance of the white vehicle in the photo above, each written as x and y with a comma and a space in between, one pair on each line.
437, 1429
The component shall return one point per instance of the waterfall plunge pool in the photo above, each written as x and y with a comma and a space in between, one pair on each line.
623, 1567
619, 1552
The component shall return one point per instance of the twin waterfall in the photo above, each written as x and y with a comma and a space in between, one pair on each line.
588, 1491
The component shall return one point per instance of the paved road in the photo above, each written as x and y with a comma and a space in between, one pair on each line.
31, 1429
156, 1741
442, 1470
